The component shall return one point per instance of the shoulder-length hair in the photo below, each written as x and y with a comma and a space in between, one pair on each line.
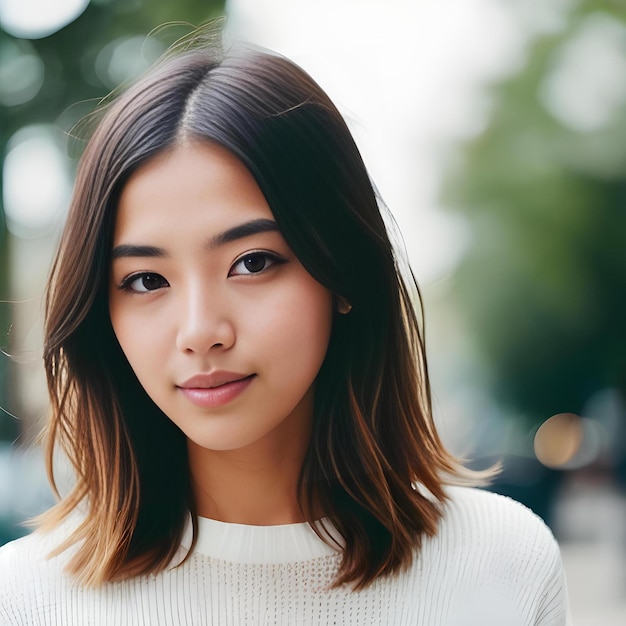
375, 466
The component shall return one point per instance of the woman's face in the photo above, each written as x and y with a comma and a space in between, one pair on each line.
222, 325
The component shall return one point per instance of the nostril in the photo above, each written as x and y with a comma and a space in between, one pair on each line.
200, 333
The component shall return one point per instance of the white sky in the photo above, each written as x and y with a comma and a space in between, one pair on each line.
406, 74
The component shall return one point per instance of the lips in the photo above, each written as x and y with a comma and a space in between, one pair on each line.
215, 389
212, 380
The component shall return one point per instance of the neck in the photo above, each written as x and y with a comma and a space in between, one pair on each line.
256, 485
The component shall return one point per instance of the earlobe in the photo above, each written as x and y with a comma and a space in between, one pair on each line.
343, 306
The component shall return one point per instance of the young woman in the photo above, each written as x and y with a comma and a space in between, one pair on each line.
237, 375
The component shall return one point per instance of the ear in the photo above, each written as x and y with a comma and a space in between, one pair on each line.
343, 306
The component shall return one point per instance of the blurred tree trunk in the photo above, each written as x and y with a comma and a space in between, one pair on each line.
8, 425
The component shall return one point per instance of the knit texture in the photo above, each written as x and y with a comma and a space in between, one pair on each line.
493, 562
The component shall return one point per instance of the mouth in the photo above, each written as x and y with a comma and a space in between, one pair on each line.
213, 380
214, 390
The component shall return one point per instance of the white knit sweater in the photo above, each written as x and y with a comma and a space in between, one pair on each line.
492, 563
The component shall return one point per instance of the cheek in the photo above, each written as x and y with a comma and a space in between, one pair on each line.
298, 326
137, 338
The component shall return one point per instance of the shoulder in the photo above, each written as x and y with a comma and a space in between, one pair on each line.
503, 555
23, 554
479, 507
26, 574
16, 574
27, 557
487, 521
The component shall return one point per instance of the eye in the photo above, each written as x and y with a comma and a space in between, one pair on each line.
254, 263
144, 282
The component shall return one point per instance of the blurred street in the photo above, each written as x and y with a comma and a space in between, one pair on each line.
597, 584
593, 519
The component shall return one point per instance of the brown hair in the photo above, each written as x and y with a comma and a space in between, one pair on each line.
375, 464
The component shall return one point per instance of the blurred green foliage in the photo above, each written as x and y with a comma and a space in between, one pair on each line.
72, 87
543, 285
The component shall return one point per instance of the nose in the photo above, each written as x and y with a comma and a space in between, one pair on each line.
205, 322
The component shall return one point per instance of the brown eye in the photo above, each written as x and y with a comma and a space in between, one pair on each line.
254, 263
142, 283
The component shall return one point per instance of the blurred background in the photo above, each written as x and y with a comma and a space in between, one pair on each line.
495, 131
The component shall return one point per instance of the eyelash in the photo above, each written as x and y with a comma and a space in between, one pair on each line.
126, 284
274, 259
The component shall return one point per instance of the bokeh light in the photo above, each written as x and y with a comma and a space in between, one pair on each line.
37, 184
126, 58
558, 439
34, 19
583, 88
21, 73
567, 441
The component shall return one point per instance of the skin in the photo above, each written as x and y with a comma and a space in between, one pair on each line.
193, 304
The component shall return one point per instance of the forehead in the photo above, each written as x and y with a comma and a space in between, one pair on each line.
195, 186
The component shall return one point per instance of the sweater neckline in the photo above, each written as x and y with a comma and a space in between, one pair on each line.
242, 543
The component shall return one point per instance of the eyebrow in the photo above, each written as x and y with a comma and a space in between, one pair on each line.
253, 227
